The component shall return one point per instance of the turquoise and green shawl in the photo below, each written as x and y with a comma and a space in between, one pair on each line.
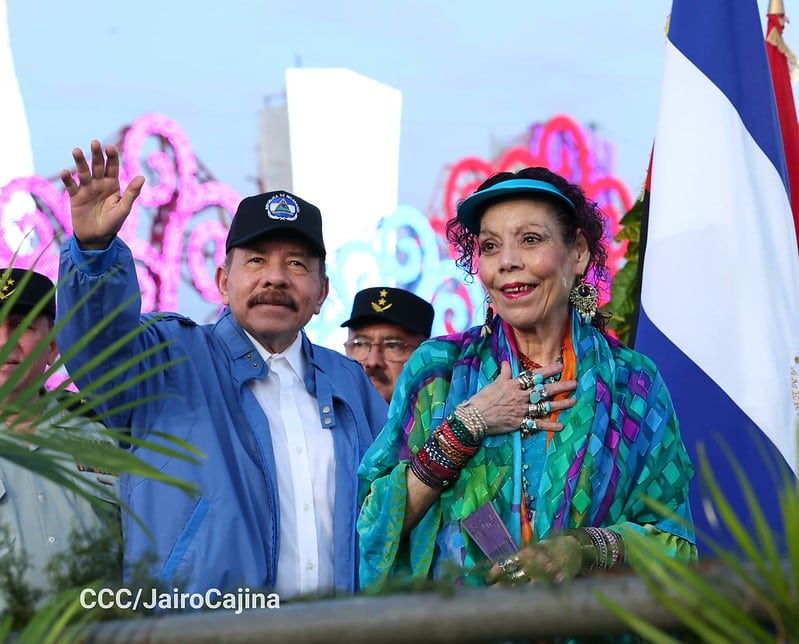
620, 444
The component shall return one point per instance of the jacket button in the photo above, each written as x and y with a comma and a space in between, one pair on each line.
326, 409
328, 420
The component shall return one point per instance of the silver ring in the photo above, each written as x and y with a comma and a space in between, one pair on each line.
525, 379
539, 409
538, 393
528, 426
510, 566
519, 575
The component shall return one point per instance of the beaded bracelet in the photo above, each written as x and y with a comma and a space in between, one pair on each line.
439, 461
436, 454
458, 458
449, 436
461, 432
425, 475
421, 466
473, 419
600, 548
435, 464
431, 472
616, 544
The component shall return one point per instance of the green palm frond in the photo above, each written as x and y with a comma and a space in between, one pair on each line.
712, 607
750, 593
58, 447
62, 449
60, 620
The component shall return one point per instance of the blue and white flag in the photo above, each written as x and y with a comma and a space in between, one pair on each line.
719, 307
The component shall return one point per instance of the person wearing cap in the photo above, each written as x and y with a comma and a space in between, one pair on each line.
385, 326
39, 515
282, 423
23, 289
529, 442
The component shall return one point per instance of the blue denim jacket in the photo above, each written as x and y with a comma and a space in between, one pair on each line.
228, 534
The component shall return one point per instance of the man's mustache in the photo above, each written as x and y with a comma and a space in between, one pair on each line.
274, 298
378, 374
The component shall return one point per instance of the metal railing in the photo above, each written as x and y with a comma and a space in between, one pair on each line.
466, 615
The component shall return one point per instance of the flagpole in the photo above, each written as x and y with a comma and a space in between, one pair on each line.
776, 8
720, 275
780, 59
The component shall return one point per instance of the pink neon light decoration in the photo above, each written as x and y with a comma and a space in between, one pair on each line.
42, 227
561, 145
206, 232
181, 217
172, 191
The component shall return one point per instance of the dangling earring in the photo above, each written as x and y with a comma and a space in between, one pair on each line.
584, 296
486, 330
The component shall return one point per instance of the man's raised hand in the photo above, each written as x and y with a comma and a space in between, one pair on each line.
98, 208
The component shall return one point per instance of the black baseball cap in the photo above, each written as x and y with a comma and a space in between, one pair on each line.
276, 211
394, 306
35, 289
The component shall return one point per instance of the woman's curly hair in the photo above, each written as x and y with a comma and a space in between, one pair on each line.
587, 217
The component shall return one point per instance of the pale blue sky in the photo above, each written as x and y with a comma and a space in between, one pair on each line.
470, 72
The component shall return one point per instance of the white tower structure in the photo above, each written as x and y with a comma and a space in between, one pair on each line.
17, 157
336, 144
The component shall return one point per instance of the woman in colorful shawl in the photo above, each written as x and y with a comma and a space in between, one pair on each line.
534, 440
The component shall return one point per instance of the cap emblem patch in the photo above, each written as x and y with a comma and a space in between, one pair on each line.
282, 207
4, 292
380, 306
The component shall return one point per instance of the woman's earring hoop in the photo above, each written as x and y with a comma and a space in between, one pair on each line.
584, 296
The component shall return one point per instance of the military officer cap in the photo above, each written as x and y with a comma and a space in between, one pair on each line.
30, 288
393, 306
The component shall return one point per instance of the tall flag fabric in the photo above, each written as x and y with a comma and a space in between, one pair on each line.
719, 308
780, 60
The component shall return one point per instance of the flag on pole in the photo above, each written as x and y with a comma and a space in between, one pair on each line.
780, 61
719, 308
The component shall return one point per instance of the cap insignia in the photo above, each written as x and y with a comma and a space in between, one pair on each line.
4, 292
282, 207
380, 306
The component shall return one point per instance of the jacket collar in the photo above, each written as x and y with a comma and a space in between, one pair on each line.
247, 361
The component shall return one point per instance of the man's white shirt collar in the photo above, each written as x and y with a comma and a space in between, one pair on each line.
293, 354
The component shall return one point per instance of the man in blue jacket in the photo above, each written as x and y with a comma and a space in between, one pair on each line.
282, 423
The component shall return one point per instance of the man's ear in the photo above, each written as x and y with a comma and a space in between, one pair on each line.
221, 284
323, 293
52, 352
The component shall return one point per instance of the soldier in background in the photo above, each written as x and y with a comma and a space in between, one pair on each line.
385, 326
38, 516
